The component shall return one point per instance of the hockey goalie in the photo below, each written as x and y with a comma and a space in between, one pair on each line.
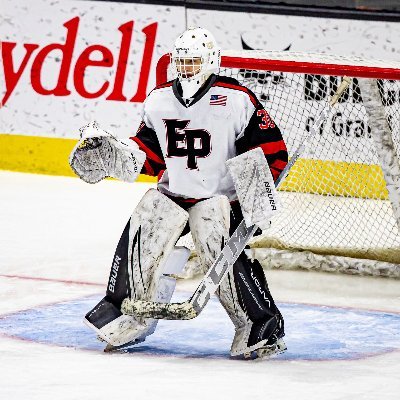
191, 129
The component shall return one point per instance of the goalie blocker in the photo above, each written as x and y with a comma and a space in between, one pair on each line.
255, 187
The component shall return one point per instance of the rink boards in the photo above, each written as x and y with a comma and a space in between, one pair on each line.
45, 155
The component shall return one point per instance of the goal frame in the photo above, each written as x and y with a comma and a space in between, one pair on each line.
368, 71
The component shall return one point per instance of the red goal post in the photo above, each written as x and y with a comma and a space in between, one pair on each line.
342, 198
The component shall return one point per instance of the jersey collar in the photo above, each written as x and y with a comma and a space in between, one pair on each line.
176, 88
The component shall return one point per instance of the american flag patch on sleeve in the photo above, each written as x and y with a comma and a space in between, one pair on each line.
218, 100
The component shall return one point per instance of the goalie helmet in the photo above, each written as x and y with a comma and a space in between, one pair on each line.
194, 58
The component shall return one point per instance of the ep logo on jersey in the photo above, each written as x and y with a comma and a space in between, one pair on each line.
186, 142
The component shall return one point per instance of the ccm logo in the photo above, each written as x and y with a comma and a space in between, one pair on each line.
103, 58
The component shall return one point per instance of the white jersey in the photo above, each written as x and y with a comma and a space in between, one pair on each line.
187, 144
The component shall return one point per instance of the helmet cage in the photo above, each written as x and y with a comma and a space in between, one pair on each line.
187, 67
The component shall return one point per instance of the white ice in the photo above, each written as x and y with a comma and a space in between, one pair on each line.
57, 238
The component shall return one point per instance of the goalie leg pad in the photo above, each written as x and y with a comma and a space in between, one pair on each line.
209, 236
209, 225
244, 292
142, 253
265, 325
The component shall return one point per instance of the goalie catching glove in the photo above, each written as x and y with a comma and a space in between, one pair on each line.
99, 155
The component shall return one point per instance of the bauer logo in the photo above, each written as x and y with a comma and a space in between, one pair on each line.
270, 196
72, 68
135, 164
114, 272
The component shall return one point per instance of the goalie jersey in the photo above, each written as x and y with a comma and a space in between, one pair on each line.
188, 141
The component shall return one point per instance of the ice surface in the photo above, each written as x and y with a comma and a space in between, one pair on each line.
57, 239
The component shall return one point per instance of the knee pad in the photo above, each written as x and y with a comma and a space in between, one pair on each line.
209, 223
241, 292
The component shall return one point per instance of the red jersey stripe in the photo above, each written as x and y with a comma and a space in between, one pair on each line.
148, 169
160, 174
163, 85
184, 200
278, 164
272, 147
142, 124
275, 173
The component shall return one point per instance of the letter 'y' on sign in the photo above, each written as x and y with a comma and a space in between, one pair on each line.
255, 187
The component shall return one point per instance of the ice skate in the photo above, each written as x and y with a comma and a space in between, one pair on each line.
260, 340
275, 344
271, 350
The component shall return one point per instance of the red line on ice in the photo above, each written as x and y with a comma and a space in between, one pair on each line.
35, 278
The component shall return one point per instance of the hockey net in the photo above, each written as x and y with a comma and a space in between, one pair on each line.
337, 213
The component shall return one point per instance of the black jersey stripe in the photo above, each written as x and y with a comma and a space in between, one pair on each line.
150, 154
271, 147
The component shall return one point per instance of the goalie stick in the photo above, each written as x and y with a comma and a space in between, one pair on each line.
233, 248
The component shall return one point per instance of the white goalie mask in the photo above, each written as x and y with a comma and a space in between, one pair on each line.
194, 58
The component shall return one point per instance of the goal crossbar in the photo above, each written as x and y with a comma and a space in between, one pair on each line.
308, 63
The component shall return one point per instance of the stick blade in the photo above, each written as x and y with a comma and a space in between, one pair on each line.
148, 309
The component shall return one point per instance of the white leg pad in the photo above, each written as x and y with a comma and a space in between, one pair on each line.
209, 223
154, 228
156, 225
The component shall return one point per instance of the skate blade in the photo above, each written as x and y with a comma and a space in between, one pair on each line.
268, 351
110, 348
